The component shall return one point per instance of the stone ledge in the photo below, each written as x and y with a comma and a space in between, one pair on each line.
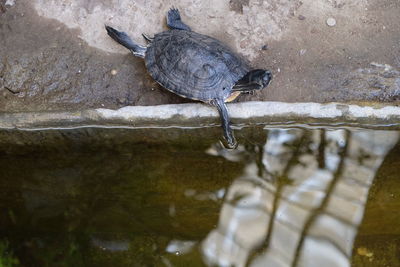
200, 115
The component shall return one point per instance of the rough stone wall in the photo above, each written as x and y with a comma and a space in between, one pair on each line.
55, 55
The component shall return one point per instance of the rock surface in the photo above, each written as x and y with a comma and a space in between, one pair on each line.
55, 55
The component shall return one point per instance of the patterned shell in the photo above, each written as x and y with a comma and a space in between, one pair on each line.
193, 65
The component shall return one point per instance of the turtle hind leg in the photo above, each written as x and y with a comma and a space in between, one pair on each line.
226, 127
123, 39
174, 20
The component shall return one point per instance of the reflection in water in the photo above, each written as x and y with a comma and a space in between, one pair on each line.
107, 197
305, 207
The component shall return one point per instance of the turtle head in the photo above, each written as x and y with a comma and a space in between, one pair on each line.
254, 80
259, 78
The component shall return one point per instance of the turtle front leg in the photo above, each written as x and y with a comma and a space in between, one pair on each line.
225, 123
174, 20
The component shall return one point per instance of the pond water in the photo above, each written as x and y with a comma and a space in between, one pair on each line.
175, 197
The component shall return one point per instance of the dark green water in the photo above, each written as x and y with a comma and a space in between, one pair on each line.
175, 197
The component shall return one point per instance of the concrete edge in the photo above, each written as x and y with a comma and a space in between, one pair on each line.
200, 115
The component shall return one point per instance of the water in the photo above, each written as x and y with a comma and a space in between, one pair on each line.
175, 197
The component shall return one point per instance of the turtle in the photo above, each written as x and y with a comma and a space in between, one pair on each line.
196, 66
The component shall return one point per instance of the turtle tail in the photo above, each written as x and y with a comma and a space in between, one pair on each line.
228, 133
123, 39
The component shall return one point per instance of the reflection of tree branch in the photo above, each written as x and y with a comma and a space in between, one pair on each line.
321, 149
300, 202
259, 162
317, 211
280, 181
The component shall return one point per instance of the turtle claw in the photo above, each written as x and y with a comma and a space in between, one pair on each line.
231, 144
174, 20
249, 92
228, 145
148, 38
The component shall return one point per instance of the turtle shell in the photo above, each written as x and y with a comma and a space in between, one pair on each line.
193, 65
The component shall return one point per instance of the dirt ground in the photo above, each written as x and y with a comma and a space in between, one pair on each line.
55, 54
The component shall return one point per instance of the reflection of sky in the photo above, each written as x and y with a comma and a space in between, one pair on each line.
304, 207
